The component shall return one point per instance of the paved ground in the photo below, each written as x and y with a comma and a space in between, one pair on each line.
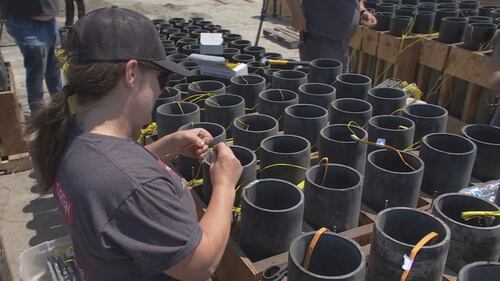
28, 218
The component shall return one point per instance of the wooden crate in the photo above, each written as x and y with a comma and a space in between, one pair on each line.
13, 146
11, 120
472, 67
433, 57
451, 62
283, 36
235, 265
5, 271
355, 49
397, 57
369, 49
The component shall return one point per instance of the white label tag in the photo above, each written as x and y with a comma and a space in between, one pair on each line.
381, 141
407, 263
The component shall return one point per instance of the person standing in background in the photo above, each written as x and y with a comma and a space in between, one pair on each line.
326, 26
495, 82
33, 26
70, 10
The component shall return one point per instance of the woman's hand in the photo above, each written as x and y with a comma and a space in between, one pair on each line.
192, 143
368, 19
226, 168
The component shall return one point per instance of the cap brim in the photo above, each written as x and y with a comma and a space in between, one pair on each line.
173, 67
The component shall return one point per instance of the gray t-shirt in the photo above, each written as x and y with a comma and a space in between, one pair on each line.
331, 19
130, 216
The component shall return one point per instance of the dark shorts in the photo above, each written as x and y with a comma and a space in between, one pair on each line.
314, 47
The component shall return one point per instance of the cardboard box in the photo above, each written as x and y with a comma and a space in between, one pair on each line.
211, 44
216, 67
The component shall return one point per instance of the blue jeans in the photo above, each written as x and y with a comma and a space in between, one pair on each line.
37, 41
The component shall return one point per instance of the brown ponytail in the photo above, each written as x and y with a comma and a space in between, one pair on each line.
47, 128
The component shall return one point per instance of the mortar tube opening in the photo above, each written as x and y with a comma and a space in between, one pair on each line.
407, 226
452, 205
215, 130
306, 111
390, 161
177, 108
255, 123
425, 111
387, 93
391, 123
205, 86
342, 133
289, 74
326, 63
351, 105
168, 92
248, 79
285, 144
278, 95
316, 89
226, 100
334, 177
354, 79
333, 256
273, 195
479, 271
485, 134
449, 143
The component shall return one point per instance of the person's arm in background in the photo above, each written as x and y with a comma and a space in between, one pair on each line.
298, 19
495, 81
367, 18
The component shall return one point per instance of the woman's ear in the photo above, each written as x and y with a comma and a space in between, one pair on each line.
131, 73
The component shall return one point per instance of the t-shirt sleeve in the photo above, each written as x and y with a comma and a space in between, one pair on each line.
156, 226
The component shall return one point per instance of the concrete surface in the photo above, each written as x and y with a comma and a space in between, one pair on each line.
28, 218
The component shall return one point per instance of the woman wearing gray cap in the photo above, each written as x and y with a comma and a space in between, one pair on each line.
129, 215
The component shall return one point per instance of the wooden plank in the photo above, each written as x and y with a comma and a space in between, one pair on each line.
357, 38
402, 52
475, 67
445, 90
370, 41
434, 54
472, 98
288, 32
454, 125
282, 38
11, 120
423, 76
15, 163
379, 71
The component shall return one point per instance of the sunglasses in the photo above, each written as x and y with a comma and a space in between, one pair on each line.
162, 77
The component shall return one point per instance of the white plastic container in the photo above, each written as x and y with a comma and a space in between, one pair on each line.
34, 260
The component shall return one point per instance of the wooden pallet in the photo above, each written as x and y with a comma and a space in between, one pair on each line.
472, 67
284, 36
11, 120
15, 163
397, 57
369, 48
451, 62
235, 265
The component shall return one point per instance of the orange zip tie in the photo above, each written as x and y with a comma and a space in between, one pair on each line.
312, 246
408, 261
